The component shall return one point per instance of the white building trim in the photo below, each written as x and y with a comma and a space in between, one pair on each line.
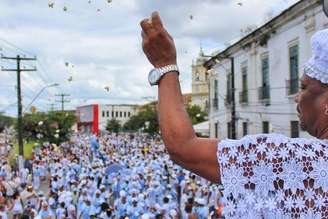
294, 26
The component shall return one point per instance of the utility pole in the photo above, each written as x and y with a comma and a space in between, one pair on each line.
52, 107
19, 70
63, 100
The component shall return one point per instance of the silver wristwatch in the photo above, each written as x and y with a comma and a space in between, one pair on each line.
156, 74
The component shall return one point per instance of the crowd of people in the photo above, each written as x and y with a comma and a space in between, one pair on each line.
113, 176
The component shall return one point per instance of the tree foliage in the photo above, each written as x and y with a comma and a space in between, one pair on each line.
196, 114
145, 120
53, 127
5, 122
113, 125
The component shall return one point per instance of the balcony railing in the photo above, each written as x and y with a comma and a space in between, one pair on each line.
292, 86
264, 93
243, 96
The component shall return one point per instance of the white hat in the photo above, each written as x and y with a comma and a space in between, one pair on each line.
173, 213
141, 196
122, 193
157, 206
201, 201
317, 66
145, 216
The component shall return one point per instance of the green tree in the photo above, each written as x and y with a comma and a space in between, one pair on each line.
53, 127
146, 119
5, 122
196, 114
133, 124
113, 126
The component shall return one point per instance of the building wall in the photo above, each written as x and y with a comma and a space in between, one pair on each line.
280, 110
199, 90
87, 117
122, 113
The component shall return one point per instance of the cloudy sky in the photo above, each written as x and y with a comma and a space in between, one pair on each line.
87, 45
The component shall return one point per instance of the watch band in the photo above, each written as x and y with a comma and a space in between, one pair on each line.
167, 69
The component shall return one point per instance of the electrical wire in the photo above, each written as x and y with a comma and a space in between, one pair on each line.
16, 47
8, 106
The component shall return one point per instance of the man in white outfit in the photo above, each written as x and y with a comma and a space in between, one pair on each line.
264, 176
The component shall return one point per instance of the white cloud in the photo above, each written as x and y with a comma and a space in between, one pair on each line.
105, 46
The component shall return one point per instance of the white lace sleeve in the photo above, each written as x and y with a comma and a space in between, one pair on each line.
272, 176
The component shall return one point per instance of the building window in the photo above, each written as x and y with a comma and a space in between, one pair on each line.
103, 113
229, 130
293, 70
197, 78
245, 128
112, 114
121, 114
243, 96
107, 113
216, 129
116, 114
264, 91
216, 99
229, 89
124, 114
265, 127
294, 129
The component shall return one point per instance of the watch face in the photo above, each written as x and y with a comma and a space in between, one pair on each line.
153, 76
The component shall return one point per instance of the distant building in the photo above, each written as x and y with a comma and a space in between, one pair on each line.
267, 69
186, 98
93, 118
199, 83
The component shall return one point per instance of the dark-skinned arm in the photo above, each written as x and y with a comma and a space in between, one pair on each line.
185, 148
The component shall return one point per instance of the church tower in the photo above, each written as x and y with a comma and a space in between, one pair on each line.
199, 90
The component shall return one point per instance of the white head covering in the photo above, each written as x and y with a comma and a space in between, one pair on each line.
145, 216
173, 213
317, 66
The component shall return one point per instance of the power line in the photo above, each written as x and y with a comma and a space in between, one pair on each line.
63, 100
8, 106
52, 106
16, 47
30, 53
27, 78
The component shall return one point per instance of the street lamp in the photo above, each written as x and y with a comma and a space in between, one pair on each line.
40, 92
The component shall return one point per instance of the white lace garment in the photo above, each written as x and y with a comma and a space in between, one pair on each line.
272, 176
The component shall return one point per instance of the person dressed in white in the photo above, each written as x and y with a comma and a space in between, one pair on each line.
3, 212
265, 175
23, 174
17, 206
61, 211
